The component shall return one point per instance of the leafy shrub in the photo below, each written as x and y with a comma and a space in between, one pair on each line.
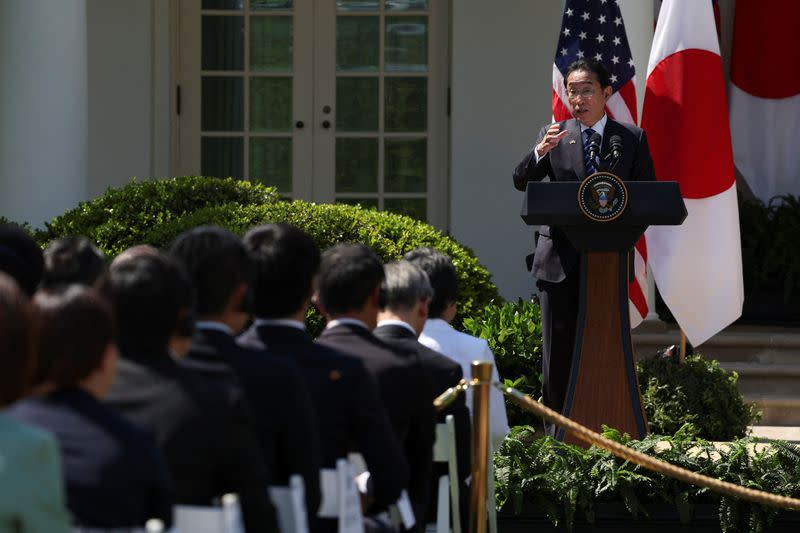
121, 217
388, 234
514, 333
697, 391
155, 212
566, 482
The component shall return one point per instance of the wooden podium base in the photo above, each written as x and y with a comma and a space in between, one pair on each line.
603, 388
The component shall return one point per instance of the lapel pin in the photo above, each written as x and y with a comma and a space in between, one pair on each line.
572, 141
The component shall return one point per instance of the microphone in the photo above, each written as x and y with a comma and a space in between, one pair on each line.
594, 147
615, 144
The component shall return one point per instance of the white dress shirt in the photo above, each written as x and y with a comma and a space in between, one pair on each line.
464, 349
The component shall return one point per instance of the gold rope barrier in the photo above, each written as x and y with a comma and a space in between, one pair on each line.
651, 463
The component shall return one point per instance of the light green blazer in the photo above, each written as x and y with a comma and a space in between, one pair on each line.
31, 481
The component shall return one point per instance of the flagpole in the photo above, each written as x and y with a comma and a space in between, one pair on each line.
682, 357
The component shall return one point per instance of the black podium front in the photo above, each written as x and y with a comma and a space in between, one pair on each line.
603, 389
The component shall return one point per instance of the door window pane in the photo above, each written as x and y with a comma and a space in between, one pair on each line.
270, 104
406, 103
405, 164
222, 157
223, 43
223, 4
271, 162
271, 47
357, 44
406, 5
357, 5
413, 207
259, 5
222, 103
357, 104
406, 44
356, 165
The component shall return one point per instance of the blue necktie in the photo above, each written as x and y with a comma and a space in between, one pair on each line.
588, 164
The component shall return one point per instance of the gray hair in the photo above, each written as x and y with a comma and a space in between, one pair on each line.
405, 285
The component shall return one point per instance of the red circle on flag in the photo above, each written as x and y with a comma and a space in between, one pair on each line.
764, 58
687, 123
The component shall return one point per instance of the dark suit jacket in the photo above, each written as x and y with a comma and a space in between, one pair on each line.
204, 432
348, 406
115, 475
444, 373
279, 401
555, 256
406, 392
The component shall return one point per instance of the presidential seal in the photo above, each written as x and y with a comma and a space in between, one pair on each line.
602, 196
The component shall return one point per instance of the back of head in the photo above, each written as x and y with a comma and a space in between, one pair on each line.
347, 276
18, 335
76, 328
405, 286
20, 257
217, 262
74, 260
287, 259
151, 296
442, 276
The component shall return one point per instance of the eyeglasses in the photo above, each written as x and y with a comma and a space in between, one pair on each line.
583, 93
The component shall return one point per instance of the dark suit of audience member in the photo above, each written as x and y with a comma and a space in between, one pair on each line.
346, 400
204, 430
349, 288
115, 475
222, 272
407, 293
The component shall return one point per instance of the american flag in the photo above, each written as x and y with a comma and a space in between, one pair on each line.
593, 29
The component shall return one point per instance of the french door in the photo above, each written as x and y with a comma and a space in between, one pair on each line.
327, 100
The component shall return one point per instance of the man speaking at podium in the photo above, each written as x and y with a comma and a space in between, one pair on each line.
570, 151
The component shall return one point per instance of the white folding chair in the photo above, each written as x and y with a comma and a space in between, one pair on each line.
226, 518
340, 497
444, 451
290, 505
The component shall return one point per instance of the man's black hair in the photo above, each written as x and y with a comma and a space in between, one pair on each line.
442, 275
287, 259
150, 295
347, 276
20, 257
73, 260
216, 262
592, 66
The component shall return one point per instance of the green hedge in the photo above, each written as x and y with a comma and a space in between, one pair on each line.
514, 333
155, 212
122, 217
699, 391
567, 482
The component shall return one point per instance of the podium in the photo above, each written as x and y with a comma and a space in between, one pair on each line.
603, 388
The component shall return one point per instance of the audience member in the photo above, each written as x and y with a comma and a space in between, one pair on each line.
31, 487
20, 258
180, 339
74, 260
115, 476
346, 400
407, 293
349, 294
439, 335
203, 430
222, 271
